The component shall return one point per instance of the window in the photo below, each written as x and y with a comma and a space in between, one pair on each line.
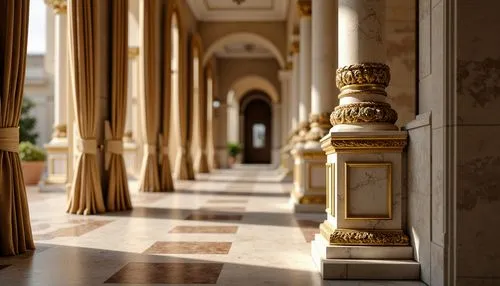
259, 135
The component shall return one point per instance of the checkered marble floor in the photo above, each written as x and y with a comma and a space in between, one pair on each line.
232, 227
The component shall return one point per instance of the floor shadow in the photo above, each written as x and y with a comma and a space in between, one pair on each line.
233, 193
222, 216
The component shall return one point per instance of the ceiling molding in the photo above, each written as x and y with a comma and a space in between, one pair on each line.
250, 10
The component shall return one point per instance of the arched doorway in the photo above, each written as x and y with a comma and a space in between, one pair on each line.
257, 132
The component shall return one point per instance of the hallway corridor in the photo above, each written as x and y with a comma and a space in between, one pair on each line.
232, 227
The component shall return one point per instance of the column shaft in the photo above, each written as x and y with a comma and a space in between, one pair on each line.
324, 65
295, 85
305, 68
61, 69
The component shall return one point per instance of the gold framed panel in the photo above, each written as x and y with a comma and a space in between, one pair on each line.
310, 167
388, 168
330, 188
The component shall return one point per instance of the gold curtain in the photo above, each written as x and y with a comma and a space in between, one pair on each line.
149, 95
86, 193
201, 160
118, 198
166, 182
183, 162
15, 228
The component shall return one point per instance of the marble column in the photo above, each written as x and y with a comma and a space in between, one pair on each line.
285, 79
57, 148
364, 181
324, 65
304, 7
294, 101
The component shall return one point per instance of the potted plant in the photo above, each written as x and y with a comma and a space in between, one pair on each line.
233, 149
33, 162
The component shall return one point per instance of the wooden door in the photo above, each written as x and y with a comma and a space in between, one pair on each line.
257, 128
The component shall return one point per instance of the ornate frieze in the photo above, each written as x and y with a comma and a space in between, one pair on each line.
337, 144
363, 237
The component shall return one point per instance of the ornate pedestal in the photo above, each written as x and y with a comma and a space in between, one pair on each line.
308, 193
363, 236
57, 157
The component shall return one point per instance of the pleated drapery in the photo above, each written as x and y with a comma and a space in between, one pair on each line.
118, 197
15, 228
149, 95
86, 193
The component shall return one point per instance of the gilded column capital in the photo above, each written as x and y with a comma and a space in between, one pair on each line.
304, 7
60, 131
59, 6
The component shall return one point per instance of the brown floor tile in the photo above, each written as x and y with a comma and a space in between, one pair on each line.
77, 230
167, 273
204, 229
3, 266
213, 216
182, 247
229, 201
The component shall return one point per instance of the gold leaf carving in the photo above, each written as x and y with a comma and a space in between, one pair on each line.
363, 237
364, 112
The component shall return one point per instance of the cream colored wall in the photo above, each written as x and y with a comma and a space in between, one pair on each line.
273, 31
400, 44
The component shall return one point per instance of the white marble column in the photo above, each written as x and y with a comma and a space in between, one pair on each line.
60, 68
57, 148
305, 57
276, 133
284, 77
365, 202
324, 65
362, 51
294, 100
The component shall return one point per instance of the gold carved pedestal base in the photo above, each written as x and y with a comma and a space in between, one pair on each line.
363, 237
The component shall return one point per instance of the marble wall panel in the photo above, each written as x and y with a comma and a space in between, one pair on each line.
478, 202
419, 193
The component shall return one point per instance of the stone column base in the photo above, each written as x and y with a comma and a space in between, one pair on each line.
309, 190
57, 160
364, 262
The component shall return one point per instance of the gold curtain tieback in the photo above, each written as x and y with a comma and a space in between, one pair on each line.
9, 139
87, 146
150, 149
114, 146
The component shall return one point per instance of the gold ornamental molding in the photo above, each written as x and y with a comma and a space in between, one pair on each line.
319, 126
370, 78
304, 7
341, 144
295, 48
59, 131
59, 6
363, 237
310, 199
364, 112
133, 52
